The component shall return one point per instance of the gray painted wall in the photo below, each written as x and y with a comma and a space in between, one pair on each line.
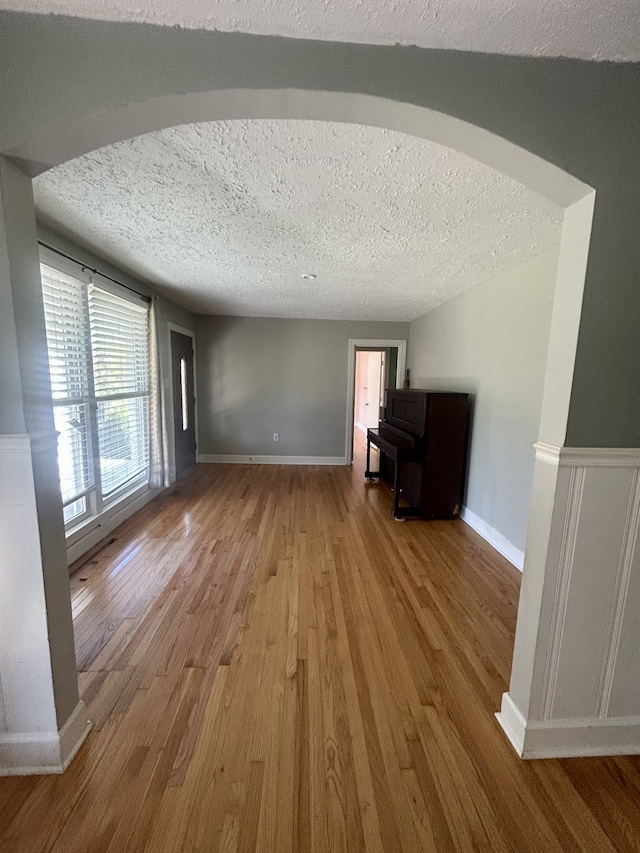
492, 342
12, 421
260, 376
580, 116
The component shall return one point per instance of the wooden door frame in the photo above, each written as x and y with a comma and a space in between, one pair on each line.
369, 343
170, 437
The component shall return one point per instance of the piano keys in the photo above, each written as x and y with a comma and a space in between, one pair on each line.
423, 444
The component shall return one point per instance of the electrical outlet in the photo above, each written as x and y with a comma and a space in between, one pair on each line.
276, 437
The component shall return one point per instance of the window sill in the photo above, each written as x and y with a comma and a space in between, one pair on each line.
85, 535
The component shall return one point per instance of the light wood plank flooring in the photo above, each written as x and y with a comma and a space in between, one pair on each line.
274, 664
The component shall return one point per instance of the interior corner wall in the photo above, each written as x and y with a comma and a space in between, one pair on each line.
491, 342
259, 376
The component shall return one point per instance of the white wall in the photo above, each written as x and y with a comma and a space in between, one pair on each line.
492, 342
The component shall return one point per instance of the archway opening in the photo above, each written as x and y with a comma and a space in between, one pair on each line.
90, 132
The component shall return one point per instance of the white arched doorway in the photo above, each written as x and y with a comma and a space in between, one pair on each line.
89, 132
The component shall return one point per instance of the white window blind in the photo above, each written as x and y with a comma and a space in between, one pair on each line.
98, 344
68, 343
119, 344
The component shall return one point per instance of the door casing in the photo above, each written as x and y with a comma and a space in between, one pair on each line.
372, 343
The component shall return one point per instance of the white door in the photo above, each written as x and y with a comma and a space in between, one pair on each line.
375, 388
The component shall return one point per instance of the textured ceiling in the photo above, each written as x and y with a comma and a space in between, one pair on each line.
227, 217
586, 29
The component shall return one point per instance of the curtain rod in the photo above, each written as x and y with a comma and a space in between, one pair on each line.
93, 269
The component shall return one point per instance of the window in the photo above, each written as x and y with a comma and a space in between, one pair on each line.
98, 343
183, 395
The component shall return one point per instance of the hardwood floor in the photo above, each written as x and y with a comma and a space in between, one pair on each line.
274, 664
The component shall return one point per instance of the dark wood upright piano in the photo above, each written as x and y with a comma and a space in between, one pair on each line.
423, 443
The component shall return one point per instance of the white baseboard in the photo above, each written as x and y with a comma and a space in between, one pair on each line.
98, 528
271, 460
74, 733
513, 723
361, 427
571, 738
27, 754
493, 537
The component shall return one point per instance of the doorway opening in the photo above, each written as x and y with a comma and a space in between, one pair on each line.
370, 385
375, 366
85, 132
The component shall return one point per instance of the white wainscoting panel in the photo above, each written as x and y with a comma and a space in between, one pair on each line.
587, 701
29, 738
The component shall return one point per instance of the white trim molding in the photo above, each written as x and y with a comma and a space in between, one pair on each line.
37, 442
508, 550
234, 459
20, 443
513, 723
589, 457
367, 343
584, 695
569, 738
34, 754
